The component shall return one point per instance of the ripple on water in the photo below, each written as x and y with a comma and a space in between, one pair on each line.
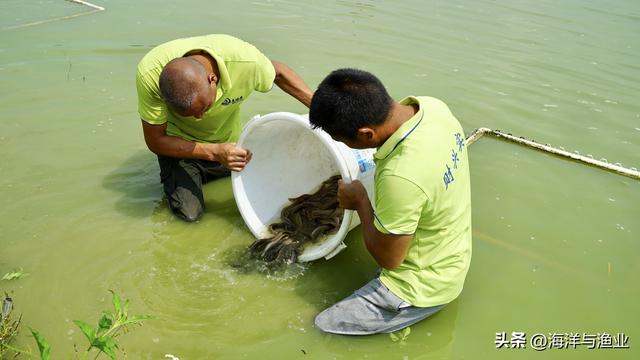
240, 260
194, 284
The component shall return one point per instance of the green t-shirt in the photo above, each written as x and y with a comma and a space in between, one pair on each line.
243, 68
422, 188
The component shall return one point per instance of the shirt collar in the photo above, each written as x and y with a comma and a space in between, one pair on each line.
225, 81
403, 131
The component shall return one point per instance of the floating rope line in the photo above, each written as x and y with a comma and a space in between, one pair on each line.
100, 8
588, 159
94, 9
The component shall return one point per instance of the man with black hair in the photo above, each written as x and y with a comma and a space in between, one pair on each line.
189, 96
420, 229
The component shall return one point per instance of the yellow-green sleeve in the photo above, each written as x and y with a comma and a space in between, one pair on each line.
265, 73
399, 204
151, 107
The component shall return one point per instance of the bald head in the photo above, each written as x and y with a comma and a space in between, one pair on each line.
182, 82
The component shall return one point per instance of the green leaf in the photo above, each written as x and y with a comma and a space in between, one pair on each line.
125, 308
394, 337
107, 345
138, 318
400, 335
43, 345
105, 322
117, 303
16, 274
87, 330
405, 333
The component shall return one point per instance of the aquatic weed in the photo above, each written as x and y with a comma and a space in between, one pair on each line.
13, 275
400, 336
103, 336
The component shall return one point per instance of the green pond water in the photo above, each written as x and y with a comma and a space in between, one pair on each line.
556, 243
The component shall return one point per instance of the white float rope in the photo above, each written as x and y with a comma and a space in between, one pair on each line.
589, 160
87, 4
94, 9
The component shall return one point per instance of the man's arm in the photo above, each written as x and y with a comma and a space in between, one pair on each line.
232, 157
292, 83
388, 250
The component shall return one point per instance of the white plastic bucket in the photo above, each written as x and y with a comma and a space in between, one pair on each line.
290, 159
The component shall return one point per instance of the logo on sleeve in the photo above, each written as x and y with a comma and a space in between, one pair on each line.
229, 101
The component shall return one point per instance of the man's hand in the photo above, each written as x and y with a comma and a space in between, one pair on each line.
232, 157
352, 195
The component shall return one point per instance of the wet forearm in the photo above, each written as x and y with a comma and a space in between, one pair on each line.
365, 212
388, 250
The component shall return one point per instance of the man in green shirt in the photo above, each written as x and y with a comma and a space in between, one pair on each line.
420, 229
189, 96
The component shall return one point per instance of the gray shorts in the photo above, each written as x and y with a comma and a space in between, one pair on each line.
372, 309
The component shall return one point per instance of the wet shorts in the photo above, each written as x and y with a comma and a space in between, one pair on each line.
372, 309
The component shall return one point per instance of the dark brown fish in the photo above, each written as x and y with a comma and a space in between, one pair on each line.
308, 218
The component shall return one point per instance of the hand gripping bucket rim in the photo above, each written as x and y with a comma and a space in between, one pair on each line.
342, 158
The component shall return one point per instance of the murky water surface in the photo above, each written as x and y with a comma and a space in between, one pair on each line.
556, 244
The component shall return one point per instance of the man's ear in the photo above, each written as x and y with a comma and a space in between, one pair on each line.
213, 79
366, 133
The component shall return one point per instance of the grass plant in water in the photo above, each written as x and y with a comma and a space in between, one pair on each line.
103, 337
16, 274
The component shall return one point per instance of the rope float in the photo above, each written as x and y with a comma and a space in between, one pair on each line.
589, 160
100, 8
94, 9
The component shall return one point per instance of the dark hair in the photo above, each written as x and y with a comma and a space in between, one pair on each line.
347, 100
180, 82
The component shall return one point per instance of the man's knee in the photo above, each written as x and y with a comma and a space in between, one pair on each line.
347, 317
185, 205
325, 321
188, 215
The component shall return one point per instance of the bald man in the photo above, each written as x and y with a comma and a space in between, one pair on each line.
189, 96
